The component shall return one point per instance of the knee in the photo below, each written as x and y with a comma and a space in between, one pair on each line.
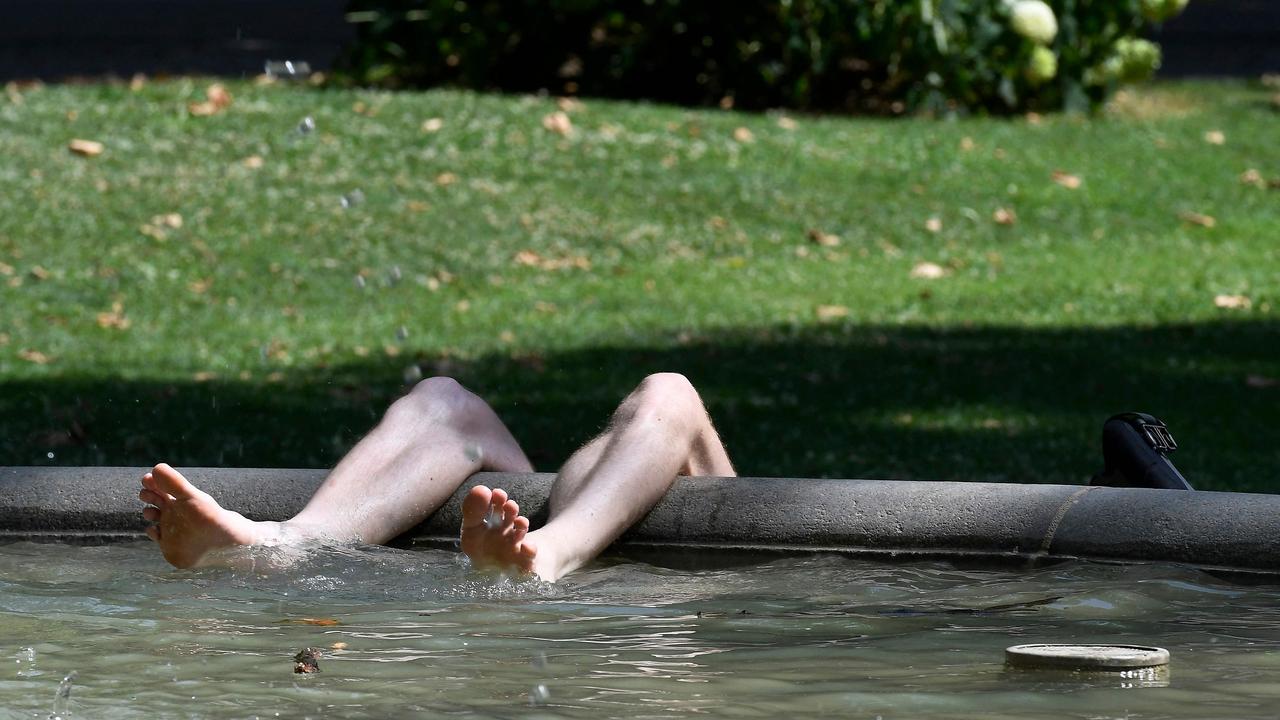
441, 398
668, 398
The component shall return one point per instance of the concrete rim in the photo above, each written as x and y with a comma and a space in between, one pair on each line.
1005, 524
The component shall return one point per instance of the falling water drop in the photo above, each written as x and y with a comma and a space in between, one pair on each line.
62, 699
539, 695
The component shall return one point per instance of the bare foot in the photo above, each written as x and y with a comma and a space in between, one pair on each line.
190, 524
493, 531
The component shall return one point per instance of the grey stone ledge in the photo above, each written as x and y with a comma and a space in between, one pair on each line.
1005, 523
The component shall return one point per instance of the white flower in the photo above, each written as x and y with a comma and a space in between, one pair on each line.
1034, 20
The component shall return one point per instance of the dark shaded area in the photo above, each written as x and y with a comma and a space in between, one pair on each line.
995, 404
53, 39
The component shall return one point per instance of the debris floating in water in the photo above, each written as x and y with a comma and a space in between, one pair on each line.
539, 695
539, 661
49, 455
307, 660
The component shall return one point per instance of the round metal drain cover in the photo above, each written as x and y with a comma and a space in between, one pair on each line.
1086, 657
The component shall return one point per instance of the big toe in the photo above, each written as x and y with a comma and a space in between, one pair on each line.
172, 482
475, 506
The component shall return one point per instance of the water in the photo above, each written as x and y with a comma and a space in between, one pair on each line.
416, 633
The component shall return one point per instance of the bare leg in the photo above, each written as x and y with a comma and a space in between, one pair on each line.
428, 442
658, 432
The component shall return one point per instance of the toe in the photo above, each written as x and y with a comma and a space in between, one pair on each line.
519, 528
172, 482
476, 505
152, 497
510, 511
153, 532
151, 514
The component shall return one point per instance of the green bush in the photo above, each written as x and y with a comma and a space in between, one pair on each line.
885, 56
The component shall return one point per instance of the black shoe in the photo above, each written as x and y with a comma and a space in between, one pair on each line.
1134, 449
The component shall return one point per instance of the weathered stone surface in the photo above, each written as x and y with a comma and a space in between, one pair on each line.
964, 520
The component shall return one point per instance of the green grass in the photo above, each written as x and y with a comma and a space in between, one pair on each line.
658, 242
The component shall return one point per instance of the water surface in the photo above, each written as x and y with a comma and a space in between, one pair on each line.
418, 633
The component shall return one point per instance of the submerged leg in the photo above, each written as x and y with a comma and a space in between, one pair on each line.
428, 442
660, 430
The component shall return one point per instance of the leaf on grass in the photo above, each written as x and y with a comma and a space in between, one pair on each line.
558, 123
137, 82
1261, 381
446, 179
204, 376
6, 269
86, 148
253, 162
1215, 137
1004, 216
432, 125
114, 319
928, 271
39, 273
787, 123
933, 224
744, 136
967, 144
34, 356
818, 237
1253, 177
1195, 218
568, 104
1232, 302
217, 99
831, 312
1066, 180
4, 339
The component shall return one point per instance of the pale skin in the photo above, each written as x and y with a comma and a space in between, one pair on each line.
432, 440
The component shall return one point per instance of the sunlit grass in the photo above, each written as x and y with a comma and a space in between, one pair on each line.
495, 246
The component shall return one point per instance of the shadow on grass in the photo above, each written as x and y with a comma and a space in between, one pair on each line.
996, 404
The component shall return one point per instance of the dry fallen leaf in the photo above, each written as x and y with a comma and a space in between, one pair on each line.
967, 144
39, 273
137, 82
34, 356
1215, 137
1066, 180
1232, 302
217, 99
822, 238
933, 224
743, 135
786, 123
1004, 216
6, 269
339, 645
1252, 177
204, 376
831, 312
568, 104
1033, 118
253, 162
445, 179
86, 148
1261, 381
928, 271
1196, 218
114, 319
558, 123
431, 125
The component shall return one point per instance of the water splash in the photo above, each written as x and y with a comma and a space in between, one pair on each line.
307, 125
62, 699
286, 69
351, 199
539, 695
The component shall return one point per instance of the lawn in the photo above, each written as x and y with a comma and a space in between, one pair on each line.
855, 297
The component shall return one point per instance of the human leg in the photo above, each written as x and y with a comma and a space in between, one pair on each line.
428, 442
660, 431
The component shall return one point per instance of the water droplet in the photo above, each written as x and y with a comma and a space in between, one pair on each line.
352, 199
412, 374
49, 455
286, 69
475, 454
360, 283
306, 126
395, 275
493, 519
63, 698
539, 695
402, 333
